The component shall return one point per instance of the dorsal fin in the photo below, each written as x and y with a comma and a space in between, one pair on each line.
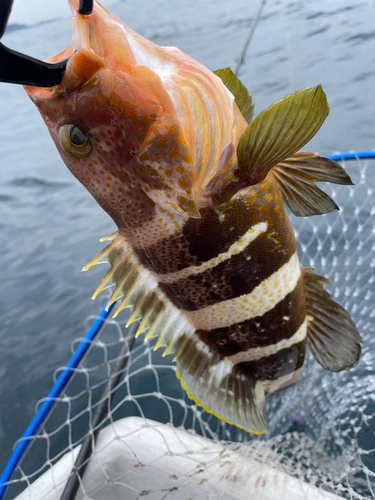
331, 334
296, 179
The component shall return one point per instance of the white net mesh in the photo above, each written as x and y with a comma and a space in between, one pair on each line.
321, 430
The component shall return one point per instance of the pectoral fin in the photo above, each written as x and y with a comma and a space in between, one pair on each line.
242, 97
296, 179
331, 334
279, 132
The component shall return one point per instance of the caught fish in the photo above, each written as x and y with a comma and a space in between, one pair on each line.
204, 253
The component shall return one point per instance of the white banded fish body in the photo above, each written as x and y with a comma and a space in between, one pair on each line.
204, 252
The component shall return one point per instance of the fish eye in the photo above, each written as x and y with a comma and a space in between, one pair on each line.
74, 141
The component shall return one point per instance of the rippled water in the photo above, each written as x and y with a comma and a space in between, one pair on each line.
50, 226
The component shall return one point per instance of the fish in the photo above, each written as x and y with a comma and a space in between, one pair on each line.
205, 254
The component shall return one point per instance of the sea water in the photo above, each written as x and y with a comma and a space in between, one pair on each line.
49, 224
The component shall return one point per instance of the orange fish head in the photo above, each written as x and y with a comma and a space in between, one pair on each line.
137, 124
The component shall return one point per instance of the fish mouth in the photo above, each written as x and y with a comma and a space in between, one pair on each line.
102, 34
65, 54
95, 31
83, 58
22, 69
81, 10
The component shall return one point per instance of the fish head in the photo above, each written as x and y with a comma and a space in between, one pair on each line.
98, 119
124, 118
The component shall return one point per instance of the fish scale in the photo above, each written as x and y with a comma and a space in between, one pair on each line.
204, 252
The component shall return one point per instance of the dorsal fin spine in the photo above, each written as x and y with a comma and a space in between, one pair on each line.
109, 274
138, 305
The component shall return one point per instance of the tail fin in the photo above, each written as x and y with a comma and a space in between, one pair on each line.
220, 386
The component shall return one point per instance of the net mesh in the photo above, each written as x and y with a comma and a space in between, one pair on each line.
321, 430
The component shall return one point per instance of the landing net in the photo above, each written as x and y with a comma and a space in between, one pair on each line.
321, 430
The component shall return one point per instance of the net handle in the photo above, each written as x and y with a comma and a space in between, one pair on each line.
99, 417
42, 414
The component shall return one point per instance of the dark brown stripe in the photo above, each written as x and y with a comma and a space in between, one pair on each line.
200, 240
261, 331
236, 276
277, 365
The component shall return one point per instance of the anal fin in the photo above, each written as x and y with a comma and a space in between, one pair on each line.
331, 334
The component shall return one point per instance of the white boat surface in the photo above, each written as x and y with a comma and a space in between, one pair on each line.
135, 458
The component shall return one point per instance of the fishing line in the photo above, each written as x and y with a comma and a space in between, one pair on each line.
241, 60
288, 44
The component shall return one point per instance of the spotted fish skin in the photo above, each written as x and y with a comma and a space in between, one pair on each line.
204, 253
269, 341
